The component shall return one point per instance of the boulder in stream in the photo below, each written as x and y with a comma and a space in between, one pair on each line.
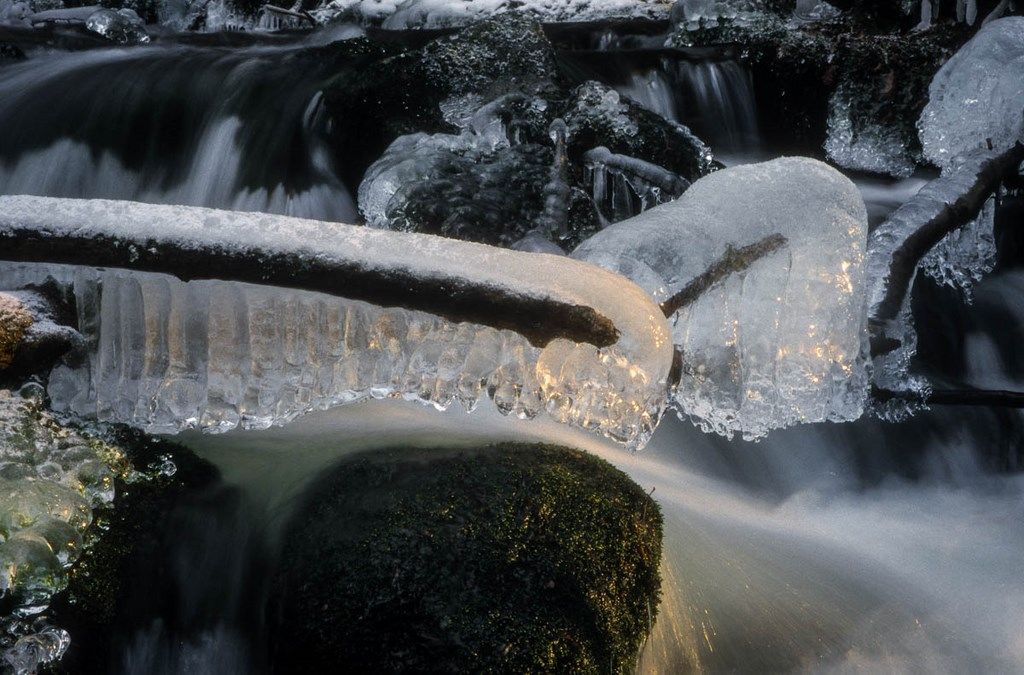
511, 558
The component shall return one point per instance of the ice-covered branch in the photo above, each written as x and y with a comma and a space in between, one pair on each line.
459, 281
732, 261
944, 205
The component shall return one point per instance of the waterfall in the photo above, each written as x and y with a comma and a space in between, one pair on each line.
238, 129
714, 98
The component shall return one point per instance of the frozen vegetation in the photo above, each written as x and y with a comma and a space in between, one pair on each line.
781, 341
405, 14
978, 95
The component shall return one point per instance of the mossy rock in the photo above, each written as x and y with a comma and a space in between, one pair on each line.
399, 91
127, 538
511, 558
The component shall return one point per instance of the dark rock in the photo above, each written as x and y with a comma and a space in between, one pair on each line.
127, 546
513, 558
884, 73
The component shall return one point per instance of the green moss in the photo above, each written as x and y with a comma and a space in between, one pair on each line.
513, 558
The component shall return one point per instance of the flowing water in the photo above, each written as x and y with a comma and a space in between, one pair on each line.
236, 128
827, 548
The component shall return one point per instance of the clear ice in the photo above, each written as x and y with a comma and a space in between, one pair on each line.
782, 342
168, 355
958, 260
51, 478
977, 95
875, 148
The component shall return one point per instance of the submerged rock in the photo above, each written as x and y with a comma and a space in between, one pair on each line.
978, 96
513, 558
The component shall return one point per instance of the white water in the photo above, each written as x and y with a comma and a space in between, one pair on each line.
824, 571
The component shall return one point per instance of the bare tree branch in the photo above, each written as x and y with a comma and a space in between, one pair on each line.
732, 261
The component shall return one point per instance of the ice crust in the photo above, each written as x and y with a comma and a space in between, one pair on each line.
959, 260
783, 342
51, 479
977, 95
694, 14
169, 355
408, 14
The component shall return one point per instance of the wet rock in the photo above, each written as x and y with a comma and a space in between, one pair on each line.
387, 92
15, 321
10, 52
512, 558
33, 334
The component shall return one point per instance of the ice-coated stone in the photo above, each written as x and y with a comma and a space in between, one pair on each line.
694, 14
51, 478
408, 14
781, 342
170, 355
977, 95
876, 148
123, 26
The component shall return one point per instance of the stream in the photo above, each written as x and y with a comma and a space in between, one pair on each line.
867, 546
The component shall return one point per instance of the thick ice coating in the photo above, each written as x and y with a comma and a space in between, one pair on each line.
977, 95
776, 343
169, 355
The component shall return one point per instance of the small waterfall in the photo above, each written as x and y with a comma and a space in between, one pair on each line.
714, 98
239, 129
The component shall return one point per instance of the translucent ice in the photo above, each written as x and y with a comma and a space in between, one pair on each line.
977, 95
710, 13
782, 341
51, 478
123, 26
213, 355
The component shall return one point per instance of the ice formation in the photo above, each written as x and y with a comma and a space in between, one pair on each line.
781, 342
124, 26
959, 260
169, 355
406, 14
51, 478
978, 95
623, 186
875, 148
696, 14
